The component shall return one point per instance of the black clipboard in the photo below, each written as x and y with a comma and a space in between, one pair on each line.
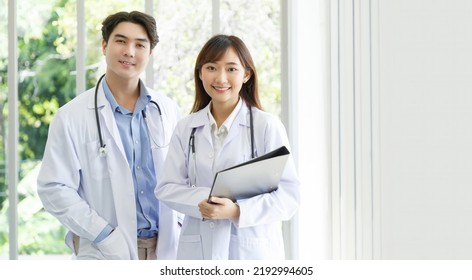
256, 176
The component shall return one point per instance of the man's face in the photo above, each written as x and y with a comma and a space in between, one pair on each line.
127, 51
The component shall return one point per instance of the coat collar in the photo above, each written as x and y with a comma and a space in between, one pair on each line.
201, 117
102, 100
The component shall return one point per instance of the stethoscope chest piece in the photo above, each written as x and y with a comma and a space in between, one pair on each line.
102, 151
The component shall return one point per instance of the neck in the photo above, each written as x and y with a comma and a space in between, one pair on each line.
221, 112
126, 92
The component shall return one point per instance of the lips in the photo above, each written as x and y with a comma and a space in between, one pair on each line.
221, 89
126, 62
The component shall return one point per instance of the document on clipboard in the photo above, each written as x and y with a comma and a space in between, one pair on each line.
256, 176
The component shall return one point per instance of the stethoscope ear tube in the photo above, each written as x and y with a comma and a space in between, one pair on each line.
102, 150
191, 147
191, 143
251, 127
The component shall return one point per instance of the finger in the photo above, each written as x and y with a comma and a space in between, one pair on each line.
217, 200
203, 202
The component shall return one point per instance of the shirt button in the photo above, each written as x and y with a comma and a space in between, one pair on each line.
210, 155
212, 224
142, 192
136, 141
138, 167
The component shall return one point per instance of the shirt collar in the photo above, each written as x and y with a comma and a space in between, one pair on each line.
229, 121
141, 103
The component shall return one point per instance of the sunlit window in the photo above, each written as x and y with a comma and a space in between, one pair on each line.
47, 47
183, 28
45, 66
259, 26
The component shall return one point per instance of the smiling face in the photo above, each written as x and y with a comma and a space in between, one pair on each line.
224, 78
127, 51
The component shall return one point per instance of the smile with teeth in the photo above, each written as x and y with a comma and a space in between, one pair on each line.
126, 62
221, 88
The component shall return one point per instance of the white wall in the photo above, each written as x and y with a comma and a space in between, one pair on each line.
402, 142
424, 133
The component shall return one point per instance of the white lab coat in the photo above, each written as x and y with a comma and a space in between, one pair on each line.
257, 234
86, 192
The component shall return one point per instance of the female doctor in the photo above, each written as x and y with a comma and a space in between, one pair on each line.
226, 127
104, 151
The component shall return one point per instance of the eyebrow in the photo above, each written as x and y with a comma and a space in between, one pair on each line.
227, 63
124, 37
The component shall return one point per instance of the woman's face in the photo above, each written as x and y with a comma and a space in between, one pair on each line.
223, 79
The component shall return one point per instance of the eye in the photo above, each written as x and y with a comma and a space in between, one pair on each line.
232, 69
141, 46
120, 41
210, 68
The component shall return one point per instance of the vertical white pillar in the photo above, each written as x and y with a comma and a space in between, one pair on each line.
81, 48
13, 131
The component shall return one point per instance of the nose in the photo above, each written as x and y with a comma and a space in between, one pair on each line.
221, 76
129, 50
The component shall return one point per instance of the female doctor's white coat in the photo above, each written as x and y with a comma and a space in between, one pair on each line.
257, 233
86, 191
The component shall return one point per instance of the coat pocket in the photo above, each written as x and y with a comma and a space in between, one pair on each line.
190, 247
114, 247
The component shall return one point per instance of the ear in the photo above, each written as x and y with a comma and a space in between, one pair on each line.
104, 46
247, 76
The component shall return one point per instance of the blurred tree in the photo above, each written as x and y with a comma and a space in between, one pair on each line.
47, 68
3, 98
45, 83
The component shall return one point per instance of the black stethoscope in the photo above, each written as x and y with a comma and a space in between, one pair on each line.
102, 151
191, 144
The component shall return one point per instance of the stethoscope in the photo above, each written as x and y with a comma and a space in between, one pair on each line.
102, 150
192, 150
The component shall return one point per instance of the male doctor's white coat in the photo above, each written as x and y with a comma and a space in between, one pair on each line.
86, 191
257, 233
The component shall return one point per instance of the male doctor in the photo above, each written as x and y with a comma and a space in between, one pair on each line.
104, 151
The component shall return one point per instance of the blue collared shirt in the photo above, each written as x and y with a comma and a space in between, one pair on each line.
136, 142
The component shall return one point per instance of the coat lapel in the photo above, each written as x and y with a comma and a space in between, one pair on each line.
239, 125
